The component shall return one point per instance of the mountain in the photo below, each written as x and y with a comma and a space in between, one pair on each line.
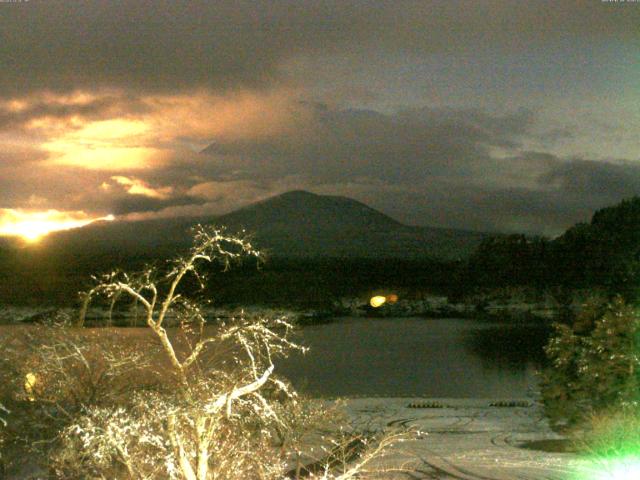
304, 224
299, 209
293, 224
322, 246
319, 243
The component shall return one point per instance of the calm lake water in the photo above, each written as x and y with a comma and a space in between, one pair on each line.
417, 357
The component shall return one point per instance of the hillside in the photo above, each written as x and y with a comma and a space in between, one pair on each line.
602, 254
293, 224
315, 232
303, 224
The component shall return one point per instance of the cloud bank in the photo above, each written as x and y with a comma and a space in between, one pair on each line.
484, 115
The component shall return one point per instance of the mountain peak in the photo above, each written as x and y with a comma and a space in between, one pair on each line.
293, 224
297, 193
316, 212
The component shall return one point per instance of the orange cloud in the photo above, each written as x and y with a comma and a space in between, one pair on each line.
135, 186
234, 116
103, 145
105, 131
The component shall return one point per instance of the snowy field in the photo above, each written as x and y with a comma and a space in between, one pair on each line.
469, 439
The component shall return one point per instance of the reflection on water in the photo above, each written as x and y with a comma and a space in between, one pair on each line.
417, 357
510, 347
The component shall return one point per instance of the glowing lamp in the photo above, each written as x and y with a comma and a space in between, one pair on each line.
377, 301
393, 298
30, 380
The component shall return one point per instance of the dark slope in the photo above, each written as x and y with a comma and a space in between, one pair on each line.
604, 252
293, 224
602, 256
311, 238
303, 224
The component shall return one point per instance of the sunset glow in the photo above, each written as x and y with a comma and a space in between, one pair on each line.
138, 187
31, 226
104, 145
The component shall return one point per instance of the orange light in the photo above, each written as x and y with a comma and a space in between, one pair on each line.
30, 381
393, 298
105, 145
32, 226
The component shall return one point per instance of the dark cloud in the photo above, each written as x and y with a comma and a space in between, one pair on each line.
456, 204
596, 178
63, 188
410, 145
140, 203
168, 45
423, 166
437, 167
562, 193
17, 159
63, 110
516, 210
234, 70
555, 135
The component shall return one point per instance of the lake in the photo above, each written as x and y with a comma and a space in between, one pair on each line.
456, 358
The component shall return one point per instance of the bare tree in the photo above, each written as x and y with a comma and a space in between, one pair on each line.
206, 392
214, 408
3, 423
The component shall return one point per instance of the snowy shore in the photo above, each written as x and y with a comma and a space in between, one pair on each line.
470, 439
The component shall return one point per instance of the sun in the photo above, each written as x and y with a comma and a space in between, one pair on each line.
32, 226
32, 232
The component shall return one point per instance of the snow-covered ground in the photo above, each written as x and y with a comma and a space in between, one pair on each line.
468, 439
463, 439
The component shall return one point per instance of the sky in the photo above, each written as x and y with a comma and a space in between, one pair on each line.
490, 115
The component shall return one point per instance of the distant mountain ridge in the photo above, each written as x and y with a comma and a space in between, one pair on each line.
293, 224
333, 242
312, 210
304, 224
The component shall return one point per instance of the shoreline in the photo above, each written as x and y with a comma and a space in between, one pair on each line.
469, 439
519, 313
